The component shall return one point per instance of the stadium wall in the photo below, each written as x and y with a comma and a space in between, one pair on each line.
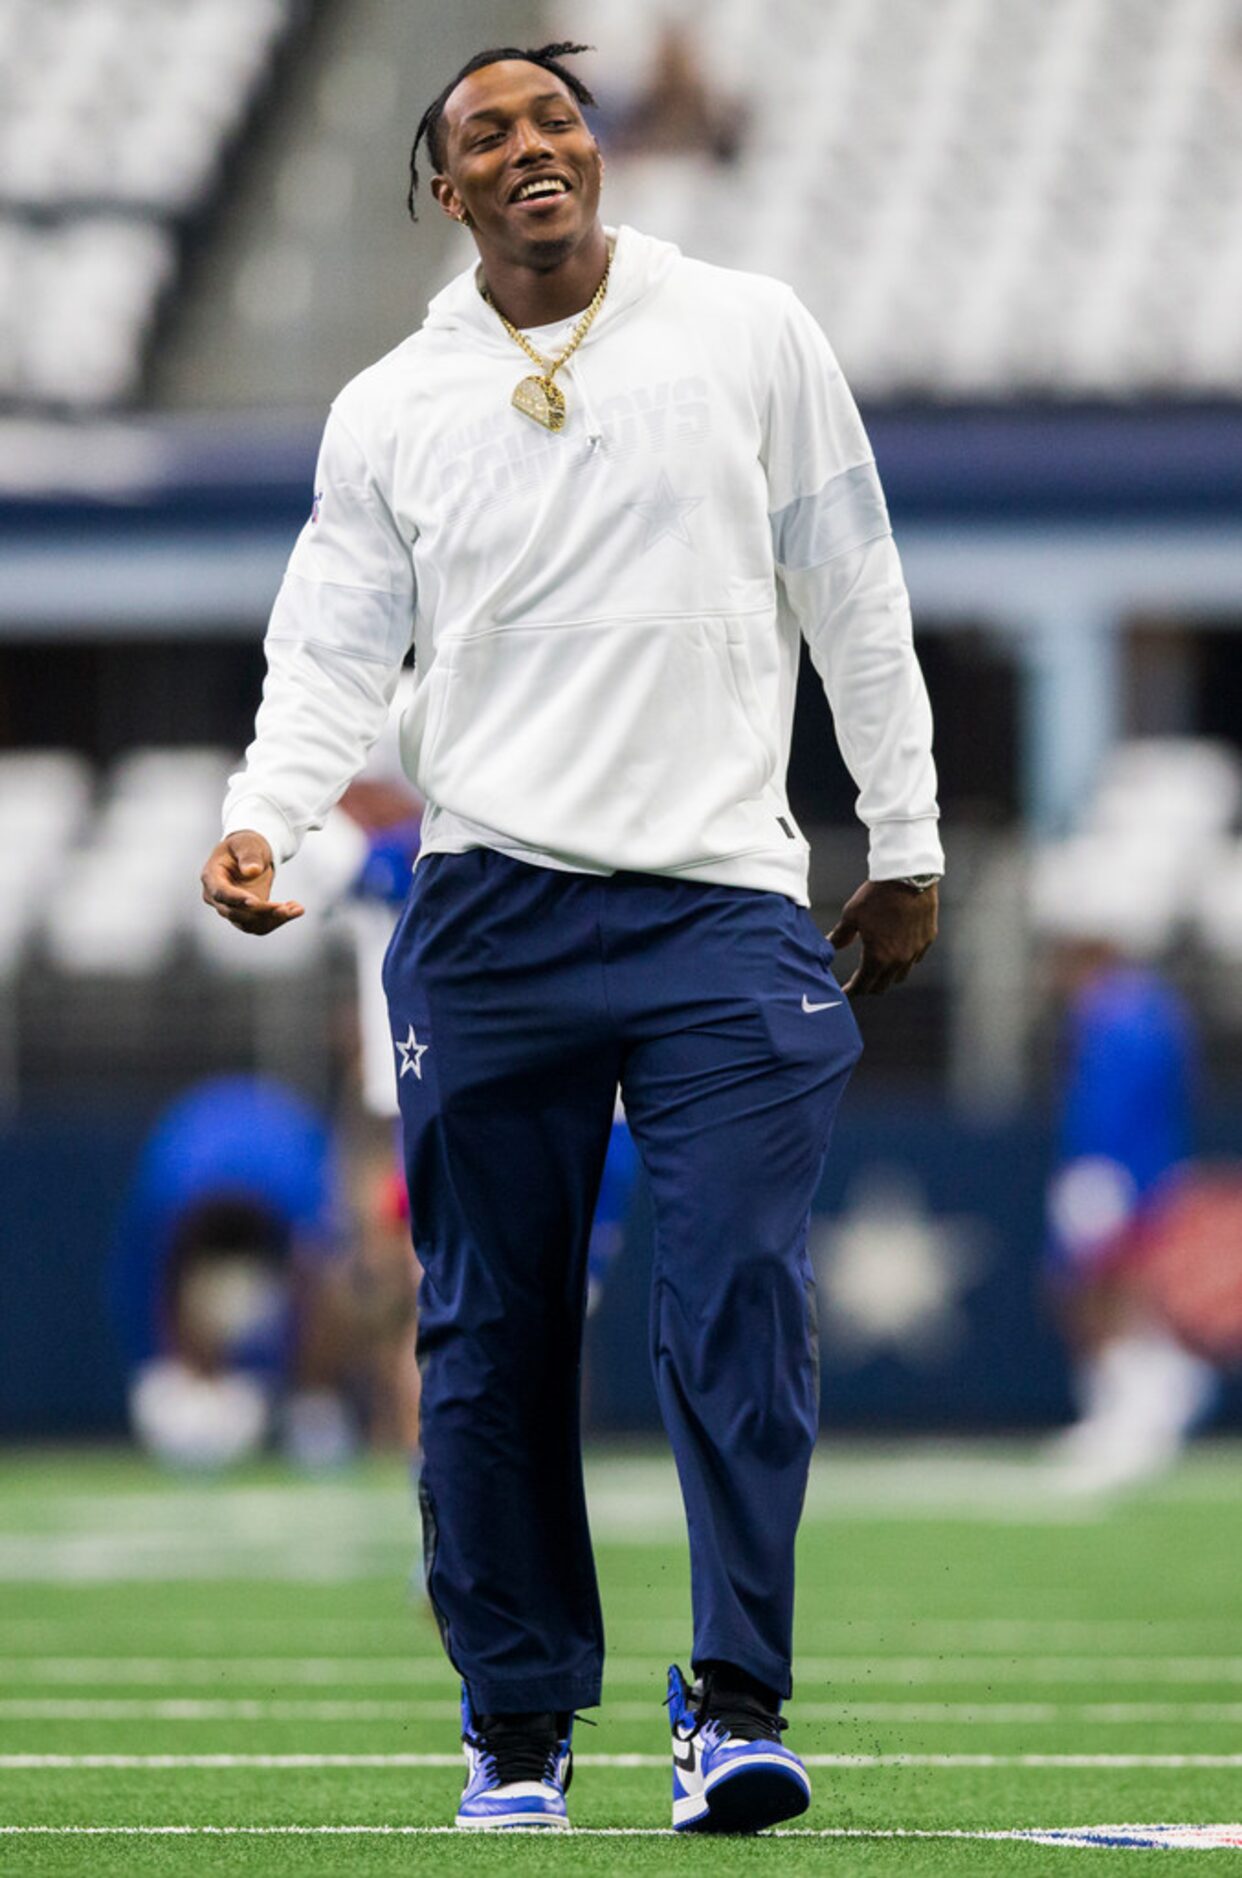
1050, 528
926, 1241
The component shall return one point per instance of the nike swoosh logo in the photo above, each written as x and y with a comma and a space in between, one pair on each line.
686, 1765
808, 1006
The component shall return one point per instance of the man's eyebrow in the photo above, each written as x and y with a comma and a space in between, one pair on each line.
544, 97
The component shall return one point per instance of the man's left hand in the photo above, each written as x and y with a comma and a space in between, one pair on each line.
895, 923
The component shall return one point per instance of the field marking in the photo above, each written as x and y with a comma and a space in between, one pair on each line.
331, 1534
960, 1714
192, 1709
16, 1763
909, 1634
342, 1550
402, 1668
637, 1494
1189, 1838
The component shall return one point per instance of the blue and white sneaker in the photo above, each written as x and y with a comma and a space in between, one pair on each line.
730, 1771
518, 1768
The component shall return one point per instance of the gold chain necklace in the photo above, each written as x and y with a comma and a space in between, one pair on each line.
538, 397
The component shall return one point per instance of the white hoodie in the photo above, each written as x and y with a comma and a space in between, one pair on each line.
606, 619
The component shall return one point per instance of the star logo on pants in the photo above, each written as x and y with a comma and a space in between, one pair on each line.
411, 1052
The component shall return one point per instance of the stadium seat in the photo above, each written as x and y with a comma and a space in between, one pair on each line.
117, 113
44, 798
1153, 852
1218, 908
159, 818
978, 201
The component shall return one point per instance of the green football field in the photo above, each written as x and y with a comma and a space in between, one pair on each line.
234, 1676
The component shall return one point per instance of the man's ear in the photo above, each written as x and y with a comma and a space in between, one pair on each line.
448, 198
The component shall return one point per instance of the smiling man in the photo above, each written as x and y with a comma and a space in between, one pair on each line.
605, 492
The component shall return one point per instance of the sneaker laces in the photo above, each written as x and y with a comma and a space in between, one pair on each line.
518, 1747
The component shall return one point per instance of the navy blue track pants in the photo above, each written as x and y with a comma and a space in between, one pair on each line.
520, 997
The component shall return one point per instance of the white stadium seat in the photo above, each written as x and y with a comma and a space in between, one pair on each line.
1154, 854
45, 797
1043, 196
116, 114
979, 200
111, 871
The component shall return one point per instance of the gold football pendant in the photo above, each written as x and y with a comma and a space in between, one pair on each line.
541, 399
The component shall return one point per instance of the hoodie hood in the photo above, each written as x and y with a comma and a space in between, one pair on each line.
639, 263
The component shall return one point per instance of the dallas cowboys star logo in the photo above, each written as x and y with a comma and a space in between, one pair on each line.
894, 1272
412, 1052
665, 515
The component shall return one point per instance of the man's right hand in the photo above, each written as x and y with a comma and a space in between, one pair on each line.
238, 879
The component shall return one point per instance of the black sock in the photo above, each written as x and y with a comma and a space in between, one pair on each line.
728, 1678
536, 1722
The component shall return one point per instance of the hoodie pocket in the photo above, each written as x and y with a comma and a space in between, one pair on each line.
422, 725
623, 744
742, 684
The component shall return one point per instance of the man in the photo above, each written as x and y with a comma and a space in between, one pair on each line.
225, 1275
1123, 1182
604, 568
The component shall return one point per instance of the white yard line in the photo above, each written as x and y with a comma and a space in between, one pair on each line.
403, 1630
965, 1714
1067, 1836
1009, 1668
20, 1763
403, 1667
335, 1532
194, 1709
966, 1636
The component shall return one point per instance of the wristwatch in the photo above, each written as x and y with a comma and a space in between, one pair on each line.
919, 882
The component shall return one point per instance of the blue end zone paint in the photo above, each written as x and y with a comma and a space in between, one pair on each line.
1142, 1838
1098, 1837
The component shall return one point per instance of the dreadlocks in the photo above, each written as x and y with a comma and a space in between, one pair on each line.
429, 124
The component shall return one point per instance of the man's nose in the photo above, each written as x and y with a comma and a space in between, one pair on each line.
531, 141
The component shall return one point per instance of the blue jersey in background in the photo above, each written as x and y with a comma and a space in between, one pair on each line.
1126, 1112
233, 1137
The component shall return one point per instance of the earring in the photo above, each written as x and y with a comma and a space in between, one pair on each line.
464, 219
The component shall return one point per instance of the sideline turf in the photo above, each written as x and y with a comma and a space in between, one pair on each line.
928, 1577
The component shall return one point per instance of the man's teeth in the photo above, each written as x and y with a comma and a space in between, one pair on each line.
548, 187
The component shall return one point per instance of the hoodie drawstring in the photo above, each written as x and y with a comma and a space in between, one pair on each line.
594, 428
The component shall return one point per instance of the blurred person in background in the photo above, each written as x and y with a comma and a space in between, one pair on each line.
244, 1308
220, 1278
1124, 1141
606, 570
385, 815
676, 113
